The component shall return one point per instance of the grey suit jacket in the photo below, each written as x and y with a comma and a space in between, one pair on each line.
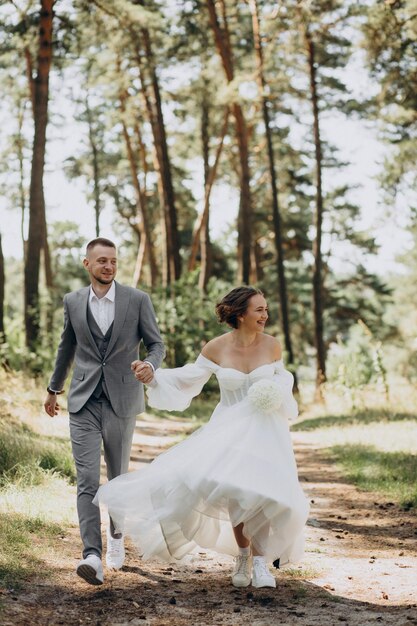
134, 321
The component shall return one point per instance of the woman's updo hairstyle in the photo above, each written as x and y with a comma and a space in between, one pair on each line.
234, 304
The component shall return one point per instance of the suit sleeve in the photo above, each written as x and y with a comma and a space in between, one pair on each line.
65, 353
150, 334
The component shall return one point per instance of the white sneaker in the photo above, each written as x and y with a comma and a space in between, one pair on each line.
115, 555
241, 576
261, 576
91, 570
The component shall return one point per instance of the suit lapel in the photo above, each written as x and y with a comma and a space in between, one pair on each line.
84, 294
121, 305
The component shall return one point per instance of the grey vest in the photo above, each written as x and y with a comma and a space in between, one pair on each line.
102, 341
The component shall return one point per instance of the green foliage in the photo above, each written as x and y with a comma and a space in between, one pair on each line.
353, 365
392, 474
104, 44
186, 317
14, 354
402, 312
68, 246
390, 41
25, 458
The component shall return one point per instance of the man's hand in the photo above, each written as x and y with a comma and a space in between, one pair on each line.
51, 405
143, 371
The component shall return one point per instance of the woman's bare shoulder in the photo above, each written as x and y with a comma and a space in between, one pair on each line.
214, 347
273, 344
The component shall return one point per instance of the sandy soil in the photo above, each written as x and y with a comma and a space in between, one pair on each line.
359, 568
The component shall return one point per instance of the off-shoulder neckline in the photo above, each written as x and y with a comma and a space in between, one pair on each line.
234, 369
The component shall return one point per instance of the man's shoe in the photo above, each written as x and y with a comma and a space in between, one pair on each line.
115, 555
91, 570
261, 576
241, 576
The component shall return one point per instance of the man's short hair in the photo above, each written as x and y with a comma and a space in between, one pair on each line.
99, 241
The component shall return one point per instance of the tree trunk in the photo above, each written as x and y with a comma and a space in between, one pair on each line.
22, 193
205, 245
318, 221
140, 257
2, 285
154, 109
96, 169
141, 203
47, 263
209, 178
222, 40
276, 214
37, 230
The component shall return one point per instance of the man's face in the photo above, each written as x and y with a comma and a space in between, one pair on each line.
101, 264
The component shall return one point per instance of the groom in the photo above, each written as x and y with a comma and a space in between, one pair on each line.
104, 325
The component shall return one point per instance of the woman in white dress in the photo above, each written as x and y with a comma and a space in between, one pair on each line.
232, 486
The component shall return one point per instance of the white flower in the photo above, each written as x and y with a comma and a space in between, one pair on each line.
265, 396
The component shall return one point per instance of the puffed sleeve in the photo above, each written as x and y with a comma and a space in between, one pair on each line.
173, 389
285, 381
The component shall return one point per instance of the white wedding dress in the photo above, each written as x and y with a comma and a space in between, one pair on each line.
239, 467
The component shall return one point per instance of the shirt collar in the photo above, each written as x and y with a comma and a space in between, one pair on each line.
110, 295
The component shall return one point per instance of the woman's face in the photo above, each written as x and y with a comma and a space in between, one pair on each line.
256, 315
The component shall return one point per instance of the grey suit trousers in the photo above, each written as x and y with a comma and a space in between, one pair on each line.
96, 422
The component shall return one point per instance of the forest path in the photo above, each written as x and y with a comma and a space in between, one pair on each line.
360, 566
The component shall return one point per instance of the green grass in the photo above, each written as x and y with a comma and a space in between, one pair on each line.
19, 558
375, 449
393, 474
362, 416
26, 458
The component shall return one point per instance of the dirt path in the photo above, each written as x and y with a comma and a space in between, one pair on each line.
360, 567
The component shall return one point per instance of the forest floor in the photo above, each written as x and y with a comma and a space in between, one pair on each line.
359, 567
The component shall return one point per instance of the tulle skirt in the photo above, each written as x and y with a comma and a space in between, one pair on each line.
238, 468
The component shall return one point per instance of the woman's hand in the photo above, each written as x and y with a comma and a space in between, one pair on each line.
143, 371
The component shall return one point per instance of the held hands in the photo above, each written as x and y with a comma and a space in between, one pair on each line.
143, 371
51, 405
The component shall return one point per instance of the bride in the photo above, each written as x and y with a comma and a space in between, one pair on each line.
232, 486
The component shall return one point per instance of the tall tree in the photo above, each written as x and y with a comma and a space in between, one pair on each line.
318, 215
221, 32
37, 220
2, 285
276, 213
143, 222
95, 162
390, 42
151, 90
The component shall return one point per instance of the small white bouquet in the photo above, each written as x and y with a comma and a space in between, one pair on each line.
265, 396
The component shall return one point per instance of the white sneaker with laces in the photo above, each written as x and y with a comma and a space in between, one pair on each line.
91, 570
241, 576
115, 554
261, 576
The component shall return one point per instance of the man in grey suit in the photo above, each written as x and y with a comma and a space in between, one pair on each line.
104, 325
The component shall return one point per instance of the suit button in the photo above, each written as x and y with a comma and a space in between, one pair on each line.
104, 363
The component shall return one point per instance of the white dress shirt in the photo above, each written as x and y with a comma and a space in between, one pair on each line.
103, 311
103, 308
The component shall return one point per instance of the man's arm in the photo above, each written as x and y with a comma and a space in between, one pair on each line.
148, 328
63, 362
